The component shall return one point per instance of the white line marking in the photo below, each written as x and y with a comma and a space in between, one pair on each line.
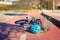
23, 37
8, 19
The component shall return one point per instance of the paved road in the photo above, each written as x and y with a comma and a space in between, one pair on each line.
52, 34
4, 17
7, 15
55, 15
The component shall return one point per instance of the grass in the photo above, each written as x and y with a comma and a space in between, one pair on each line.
34, 10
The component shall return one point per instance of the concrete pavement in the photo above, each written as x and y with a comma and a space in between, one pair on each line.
55, 15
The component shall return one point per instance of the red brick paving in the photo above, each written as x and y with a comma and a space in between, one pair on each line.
52, 34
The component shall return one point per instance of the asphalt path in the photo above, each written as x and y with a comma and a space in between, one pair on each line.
52, 34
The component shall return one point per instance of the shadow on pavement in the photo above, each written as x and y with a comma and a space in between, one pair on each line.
10, 14
28, 30
6, 29
54, 21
